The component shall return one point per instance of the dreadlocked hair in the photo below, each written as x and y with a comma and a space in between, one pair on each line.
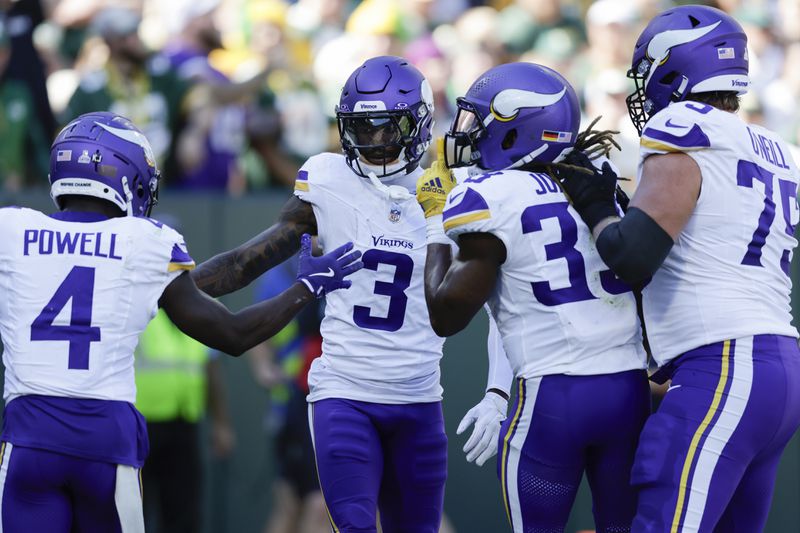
591, 142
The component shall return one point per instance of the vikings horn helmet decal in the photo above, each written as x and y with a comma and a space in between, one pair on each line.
685, 50
508, 103
514, 114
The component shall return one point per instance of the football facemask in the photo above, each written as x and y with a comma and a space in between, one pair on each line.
460, 147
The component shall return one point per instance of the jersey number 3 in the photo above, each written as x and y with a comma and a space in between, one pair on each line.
577, 290
395, 290
78, 286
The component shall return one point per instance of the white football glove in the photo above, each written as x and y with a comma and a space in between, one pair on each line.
487, 416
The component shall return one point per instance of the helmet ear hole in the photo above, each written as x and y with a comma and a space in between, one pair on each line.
509, 139
140, 189
668, 78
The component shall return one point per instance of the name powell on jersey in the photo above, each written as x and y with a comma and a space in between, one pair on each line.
380, 240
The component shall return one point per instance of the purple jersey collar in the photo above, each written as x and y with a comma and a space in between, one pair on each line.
78, 216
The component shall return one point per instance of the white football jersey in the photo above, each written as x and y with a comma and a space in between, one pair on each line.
560, 310
378, 345
728, 274
76, 296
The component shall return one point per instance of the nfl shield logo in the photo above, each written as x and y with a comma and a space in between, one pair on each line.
394, 213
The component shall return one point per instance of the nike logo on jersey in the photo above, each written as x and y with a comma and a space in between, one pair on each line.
328, 274
671, 124
673, 387
454, 197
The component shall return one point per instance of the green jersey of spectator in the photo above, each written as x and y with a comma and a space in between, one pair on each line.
24, 151
152, 97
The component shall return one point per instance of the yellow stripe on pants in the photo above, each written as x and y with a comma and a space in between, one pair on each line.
506, 440
712, 410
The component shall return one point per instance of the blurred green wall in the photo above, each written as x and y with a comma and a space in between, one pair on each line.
238, 498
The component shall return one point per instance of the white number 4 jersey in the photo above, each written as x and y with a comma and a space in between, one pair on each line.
558, 307
728, 274
77, 291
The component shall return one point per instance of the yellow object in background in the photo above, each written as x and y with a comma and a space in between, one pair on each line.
171, 379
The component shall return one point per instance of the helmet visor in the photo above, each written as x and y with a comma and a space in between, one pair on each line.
467, 119
466, 130
378, 137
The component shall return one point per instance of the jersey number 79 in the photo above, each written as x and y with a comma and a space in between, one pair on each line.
746, 173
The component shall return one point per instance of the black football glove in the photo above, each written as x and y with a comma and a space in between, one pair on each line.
592, 193
622, 199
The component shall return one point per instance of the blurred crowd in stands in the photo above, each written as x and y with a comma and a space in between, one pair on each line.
235, 94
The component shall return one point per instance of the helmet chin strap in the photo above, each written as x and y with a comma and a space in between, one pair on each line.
475, 170
528, 158
394, 192
128, 196
391, 168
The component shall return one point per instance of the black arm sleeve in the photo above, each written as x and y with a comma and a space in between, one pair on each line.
634, 247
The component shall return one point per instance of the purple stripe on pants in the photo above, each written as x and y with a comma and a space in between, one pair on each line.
707, 459
375, 456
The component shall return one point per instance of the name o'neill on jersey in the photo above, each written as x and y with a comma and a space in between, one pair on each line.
48, 242
767, 149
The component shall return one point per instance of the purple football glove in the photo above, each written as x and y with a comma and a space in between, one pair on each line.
326, 273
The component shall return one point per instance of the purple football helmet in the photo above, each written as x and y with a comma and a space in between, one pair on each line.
385, 117
514, 114
104, 155
687, 49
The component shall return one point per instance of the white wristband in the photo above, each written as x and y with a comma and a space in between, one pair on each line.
434, 231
